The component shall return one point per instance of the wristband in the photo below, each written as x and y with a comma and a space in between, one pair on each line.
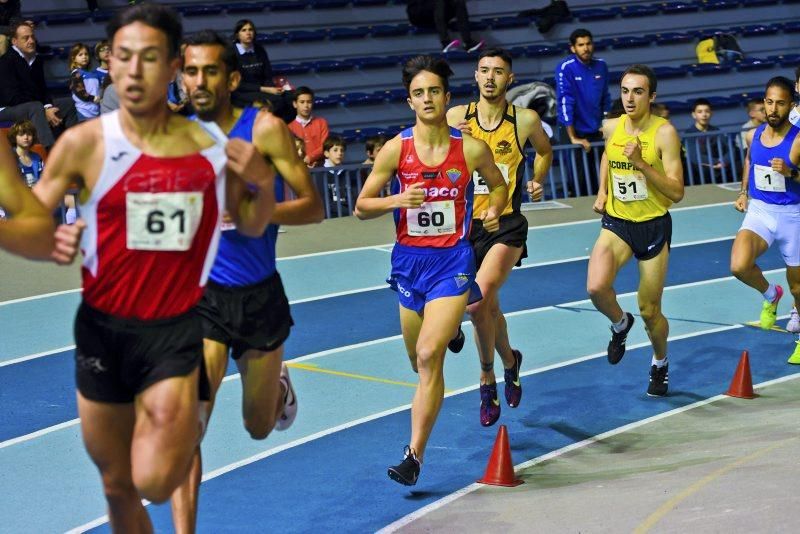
742, 193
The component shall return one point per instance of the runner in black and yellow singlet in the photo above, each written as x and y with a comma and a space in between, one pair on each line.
506, 129
640, 177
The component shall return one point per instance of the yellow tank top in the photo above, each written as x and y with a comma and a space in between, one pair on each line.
630, 197
507, 153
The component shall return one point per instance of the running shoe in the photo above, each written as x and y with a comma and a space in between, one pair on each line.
490, 405
457, 343
794, 322
513, 387
407, 471
659, 380
475, 47
616, 347
455, 43
795, 357
769, 310
289, 401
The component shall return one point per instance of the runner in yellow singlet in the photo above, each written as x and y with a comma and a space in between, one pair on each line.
506, 129
640, 177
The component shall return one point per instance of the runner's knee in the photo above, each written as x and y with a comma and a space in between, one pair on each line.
650, 311
259, 424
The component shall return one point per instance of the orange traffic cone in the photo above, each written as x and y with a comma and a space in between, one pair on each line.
742, 383
500, 469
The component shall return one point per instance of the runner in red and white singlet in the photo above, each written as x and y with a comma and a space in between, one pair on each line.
433, 266
152, 190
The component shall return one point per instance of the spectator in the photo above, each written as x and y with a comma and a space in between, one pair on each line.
300, 146
334, 148
437, 14
110, 100
794, 115
22, 137
9, 10
177, 99
373, 146
757, 117
312, 130
659, 110
24, 94
83, 83
102, 51
257, 85
707, 153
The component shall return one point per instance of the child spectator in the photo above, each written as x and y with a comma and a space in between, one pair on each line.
313, 130
22, 137
334, 148
757, 116
102, 51
708, 153
83, 83
373, 146
300, 146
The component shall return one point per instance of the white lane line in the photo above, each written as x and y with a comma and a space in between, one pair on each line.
410, 518
340, 294
37, 355
38, 433
36, 297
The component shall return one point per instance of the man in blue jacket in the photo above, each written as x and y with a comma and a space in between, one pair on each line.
582, 98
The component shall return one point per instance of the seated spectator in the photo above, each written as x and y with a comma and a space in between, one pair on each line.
24, 93
437, 14
257, 85
102, 51
312, 130
177, 99
373, 146
339, 186
757, 117
708, 155
334, 149
110, 100
22, 137
83, 83
9, 10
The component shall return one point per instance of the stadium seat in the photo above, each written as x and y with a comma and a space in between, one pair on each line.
596, 13
500, 23
304, 36
269, 38
671, 37
630, 42
329, 101
679, 7
291, 68
328, 65
65, 19
749, 64
389, 30
246, 7
200, 11
376, 62
349, 33
361, 99
638, 10
289, 5
717, 5
669, 72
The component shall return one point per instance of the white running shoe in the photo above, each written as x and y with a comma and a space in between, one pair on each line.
289, 401
452, 45
794, 322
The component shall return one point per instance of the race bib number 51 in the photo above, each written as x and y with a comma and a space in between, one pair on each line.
481, 187
629, 187
162, 221
432, 218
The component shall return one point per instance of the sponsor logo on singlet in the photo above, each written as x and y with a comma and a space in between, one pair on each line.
453, 174
503, 147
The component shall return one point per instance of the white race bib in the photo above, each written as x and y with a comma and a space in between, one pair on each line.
162, 221
481, 187
629, 187
769, 180
432, 218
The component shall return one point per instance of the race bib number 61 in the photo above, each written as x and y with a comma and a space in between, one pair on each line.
162, 221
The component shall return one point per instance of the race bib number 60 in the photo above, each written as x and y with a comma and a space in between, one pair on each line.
162, 221
432, 218
629, 187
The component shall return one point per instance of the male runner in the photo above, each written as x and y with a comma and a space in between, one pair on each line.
770, 181
244, 307
152, 191
793, 325
433, 266
506, 129
640, 177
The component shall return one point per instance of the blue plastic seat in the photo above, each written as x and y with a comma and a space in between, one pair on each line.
376, 62
361, 3
596, 13
200, 11
708, 69
791, 26
362, 99
458, 55
750, 64
509, 22
349, 33
389, 30
289, 5
269, 38
465, 89
246, 7
544, 50
102, 15
717, 5
631, 42
329, 101
291, 68
679, 7
64, 19
602, 44
669, 72
396, 95
638, 10
719, 102
677, 106
670, 37
304, 36
328, 65
351, 135
329, 4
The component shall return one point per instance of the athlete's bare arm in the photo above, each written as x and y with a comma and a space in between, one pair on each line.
479, 158
602, 187
369, 204
741, 200
529, 128
455, 118
670, 183
273, 139
251, 211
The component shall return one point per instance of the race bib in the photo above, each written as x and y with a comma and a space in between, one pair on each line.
162, 221
432, 218
629, 187
769, 180
481, 187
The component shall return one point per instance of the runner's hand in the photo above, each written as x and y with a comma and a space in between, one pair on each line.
491, 221
741, 203
412, 197
67, 242
246, 161
535, 190
600, 204
463, 127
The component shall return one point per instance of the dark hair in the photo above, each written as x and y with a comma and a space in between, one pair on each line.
156, 16
700, 102
333, 140
781, 81
797, 74
374, 141
241, 23
73, 53
643, 70
230, 57
753, 102
617, 109
502, 53
303, 90
577, 34
15, 25
99, 45
435, 65
19, 128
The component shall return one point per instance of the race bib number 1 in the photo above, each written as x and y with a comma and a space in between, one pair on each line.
162, 221
481, 187
629, 187
432, 218
769, 180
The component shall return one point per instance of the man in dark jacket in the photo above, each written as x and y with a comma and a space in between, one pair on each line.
24, 94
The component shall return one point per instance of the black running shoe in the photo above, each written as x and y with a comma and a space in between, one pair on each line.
407, 471
457, 343
659, 381
616, 347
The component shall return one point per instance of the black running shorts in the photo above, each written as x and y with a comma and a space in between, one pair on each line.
116, 358
248, 317
646, 238
513, 232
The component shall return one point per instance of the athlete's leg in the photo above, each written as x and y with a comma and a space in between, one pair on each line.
440, 318
262, 393
165, 436
652, 273
793, 278
747, 247
494, 271
107, 431
609, 254
184, 498
410, 324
